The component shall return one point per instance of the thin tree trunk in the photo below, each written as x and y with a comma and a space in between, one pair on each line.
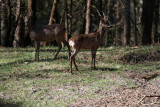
34, 10
4, 23
18, 33
135, 24
127, 23
88, 16
118, 36
84, 18
156, 21
9, 42
66, 15
147, 20
111, 10
52, 12
70, 20
16, 41
29, 21
105, 6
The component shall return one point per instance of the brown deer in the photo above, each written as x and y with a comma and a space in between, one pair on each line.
88, 41
48, 33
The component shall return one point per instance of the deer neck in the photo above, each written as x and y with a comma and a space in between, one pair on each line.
101, 31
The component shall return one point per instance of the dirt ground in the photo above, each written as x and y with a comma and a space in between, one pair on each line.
146, 94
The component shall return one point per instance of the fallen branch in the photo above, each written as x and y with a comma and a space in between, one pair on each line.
147, 96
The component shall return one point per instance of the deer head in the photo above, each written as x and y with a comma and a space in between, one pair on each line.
104, 22
103, 26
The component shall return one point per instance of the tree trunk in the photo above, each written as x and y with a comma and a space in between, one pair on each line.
135, 23
70, 20
105, 6
30, 20
17, 38
34, 10
9, 42
52, 12
111, 16
84, 18
127, 23
4, 23
66, 15
147, 19
88, 16
156, 22
119, 28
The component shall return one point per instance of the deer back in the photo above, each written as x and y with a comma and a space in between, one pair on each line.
48, 32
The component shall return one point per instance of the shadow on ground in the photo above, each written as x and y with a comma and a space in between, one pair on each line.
4, 103
106, 69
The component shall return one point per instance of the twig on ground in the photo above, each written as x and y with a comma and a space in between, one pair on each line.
147, 96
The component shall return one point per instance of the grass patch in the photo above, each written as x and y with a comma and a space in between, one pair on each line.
25, 82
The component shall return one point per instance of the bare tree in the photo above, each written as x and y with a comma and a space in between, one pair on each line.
135, 24
147, 20
17, 38
156, 21
119, 21
70, 20
88, 16
52, 12
29, 21
66, 15
4, 23
127, 23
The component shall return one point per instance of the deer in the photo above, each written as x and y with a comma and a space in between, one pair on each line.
48, 33
90, 41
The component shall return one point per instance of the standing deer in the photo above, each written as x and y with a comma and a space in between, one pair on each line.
88, 41
48, 33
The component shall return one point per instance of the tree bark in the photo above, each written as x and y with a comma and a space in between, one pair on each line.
34, 10
70, 20
147, 20
66, 15
84, 18
156, 21
119, 22
8, 42
52, 12
30, 20
17, 38
127, 23
18, 33
88, 17
135, 24
4, 30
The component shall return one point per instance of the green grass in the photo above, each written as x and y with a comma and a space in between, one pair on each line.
24, 82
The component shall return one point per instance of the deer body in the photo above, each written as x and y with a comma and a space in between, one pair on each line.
48, 33
90, 41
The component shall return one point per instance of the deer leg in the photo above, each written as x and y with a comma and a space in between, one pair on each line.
71, 65
37, 45
73, 59
93, 58
69, 50
59, 49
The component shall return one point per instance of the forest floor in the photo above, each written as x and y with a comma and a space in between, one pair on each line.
124, 77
